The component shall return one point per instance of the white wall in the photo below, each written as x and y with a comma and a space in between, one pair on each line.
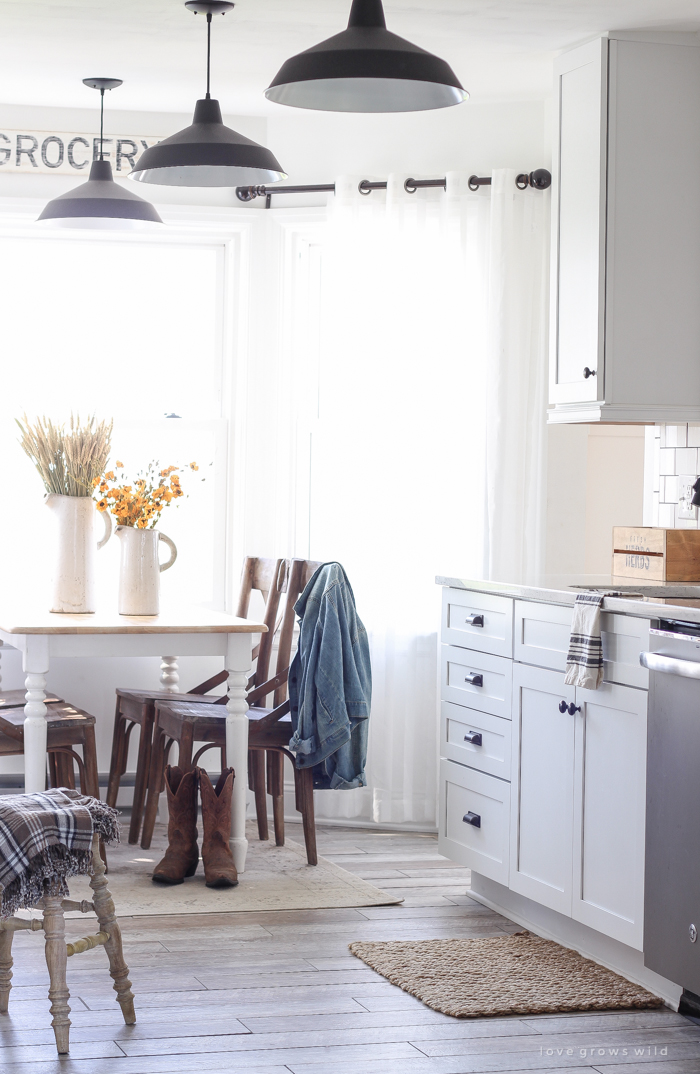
595, 481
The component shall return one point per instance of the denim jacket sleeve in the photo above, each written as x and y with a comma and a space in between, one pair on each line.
330, 684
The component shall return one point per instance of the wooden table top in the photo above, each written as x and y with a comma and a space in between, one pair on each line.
172, 620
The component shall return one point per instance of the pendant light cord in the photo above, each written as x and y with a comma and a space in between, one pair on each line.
208, 52
102, 121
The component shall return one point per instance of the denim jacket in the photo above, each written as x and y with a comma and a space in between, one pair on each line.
330, 681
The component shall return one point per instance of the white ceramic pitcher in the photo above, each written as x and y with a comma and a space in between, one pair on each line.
140, 570
73, 582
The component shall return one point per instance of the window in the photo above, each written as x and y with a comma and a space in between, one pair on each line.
133, 329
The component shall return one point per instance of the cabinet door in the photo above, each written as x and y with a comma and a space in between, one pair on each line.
610, 801
542, 788
578, 225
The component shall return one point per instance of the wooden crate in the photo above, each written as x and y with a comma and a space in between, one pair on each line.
653, 554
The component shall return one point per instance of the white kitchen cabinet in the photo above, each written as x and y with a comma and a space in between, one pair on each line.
542, 801
626, 231
578, 800
609, 811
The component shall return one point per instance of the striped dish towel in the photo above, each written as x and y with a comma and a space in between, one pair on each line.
584, 661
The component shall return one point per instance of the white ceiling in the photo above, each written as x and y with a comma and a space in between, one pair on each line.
498, 48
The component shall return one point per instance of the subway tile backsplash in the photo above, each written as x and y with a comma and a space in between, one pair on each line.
674, 460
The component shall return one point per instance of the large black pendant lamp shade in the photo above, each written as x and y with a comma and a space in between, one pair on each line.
207, 153
100, 203
366, 69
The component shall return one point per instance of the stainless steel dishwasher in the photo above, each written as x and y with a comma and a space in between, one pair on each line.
672, 870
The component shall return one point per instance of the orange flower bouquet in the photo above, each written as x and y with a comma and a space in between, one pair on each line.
141, 503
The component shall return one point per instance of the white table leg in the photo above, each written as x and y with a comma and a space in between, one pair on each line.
169, 674
35, 663
238, 663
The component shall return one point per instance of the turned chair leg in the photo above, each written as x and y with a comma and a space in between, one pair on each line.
304, 788
275, 788
104, 908
256, 772
6, 937
56, 959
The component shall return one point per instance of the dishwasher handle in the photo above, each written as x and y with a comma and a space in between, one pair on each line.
670, 665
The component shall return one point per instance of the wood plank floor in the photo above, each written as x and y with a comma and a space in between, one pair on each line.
279, 993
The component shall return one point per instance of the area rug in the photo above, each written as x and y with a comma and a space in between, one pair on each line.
275, 878
518, 974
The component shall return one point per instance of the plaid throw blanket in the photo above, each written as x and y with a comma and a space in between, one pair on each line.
584, 661
44, 839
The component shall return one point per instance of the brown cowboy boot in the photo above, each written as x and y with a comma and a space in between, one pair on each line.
219, 870
182, 856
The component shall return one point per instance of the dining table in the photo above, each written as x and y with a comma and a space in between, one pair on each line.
177, 631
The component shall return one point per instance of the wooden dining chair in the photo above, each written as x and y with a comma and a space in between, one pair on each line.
137, 707
188, 721
67, 727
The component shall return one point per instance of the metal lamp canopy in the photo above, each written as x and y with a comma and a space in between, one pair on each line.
366, 69
207, 153
100, 203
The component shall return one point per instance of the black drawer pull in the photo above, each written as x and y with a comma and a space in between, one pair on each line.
474, 620
474, 679
472, 818
474, 737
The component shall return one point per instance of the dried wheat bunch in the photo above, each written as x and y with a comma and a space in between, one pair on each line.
70, 462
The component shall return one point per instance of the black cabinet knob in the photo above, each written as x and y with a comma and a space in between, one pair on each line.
588, 373
562, 706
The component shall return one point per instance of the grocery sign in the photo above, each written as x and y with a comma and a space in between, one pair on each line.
67, 154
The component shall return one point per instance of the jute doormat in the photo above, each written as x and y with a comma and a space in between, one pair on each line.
519, 974
276, 878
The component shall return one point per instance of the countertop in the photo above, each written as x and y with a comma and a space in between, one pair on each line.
672, 600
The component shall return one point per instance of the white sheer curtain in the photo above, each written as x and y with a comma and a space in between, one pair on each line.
406, 457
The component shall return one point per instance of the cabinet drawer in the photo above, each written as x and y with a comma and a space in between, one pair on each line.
477, 621
460, 730
624, 637
541, 634
482, 845
541, 637
477, 680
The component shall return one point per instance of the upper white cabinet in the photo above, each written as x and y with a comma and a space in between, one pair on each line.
626, 231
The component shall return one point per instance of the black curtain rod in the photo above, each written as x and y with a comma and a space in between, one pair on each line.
538, 180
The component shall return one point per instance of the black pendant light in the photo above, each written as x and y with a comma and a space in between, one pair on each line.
207, 153
366, 69
100, 203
